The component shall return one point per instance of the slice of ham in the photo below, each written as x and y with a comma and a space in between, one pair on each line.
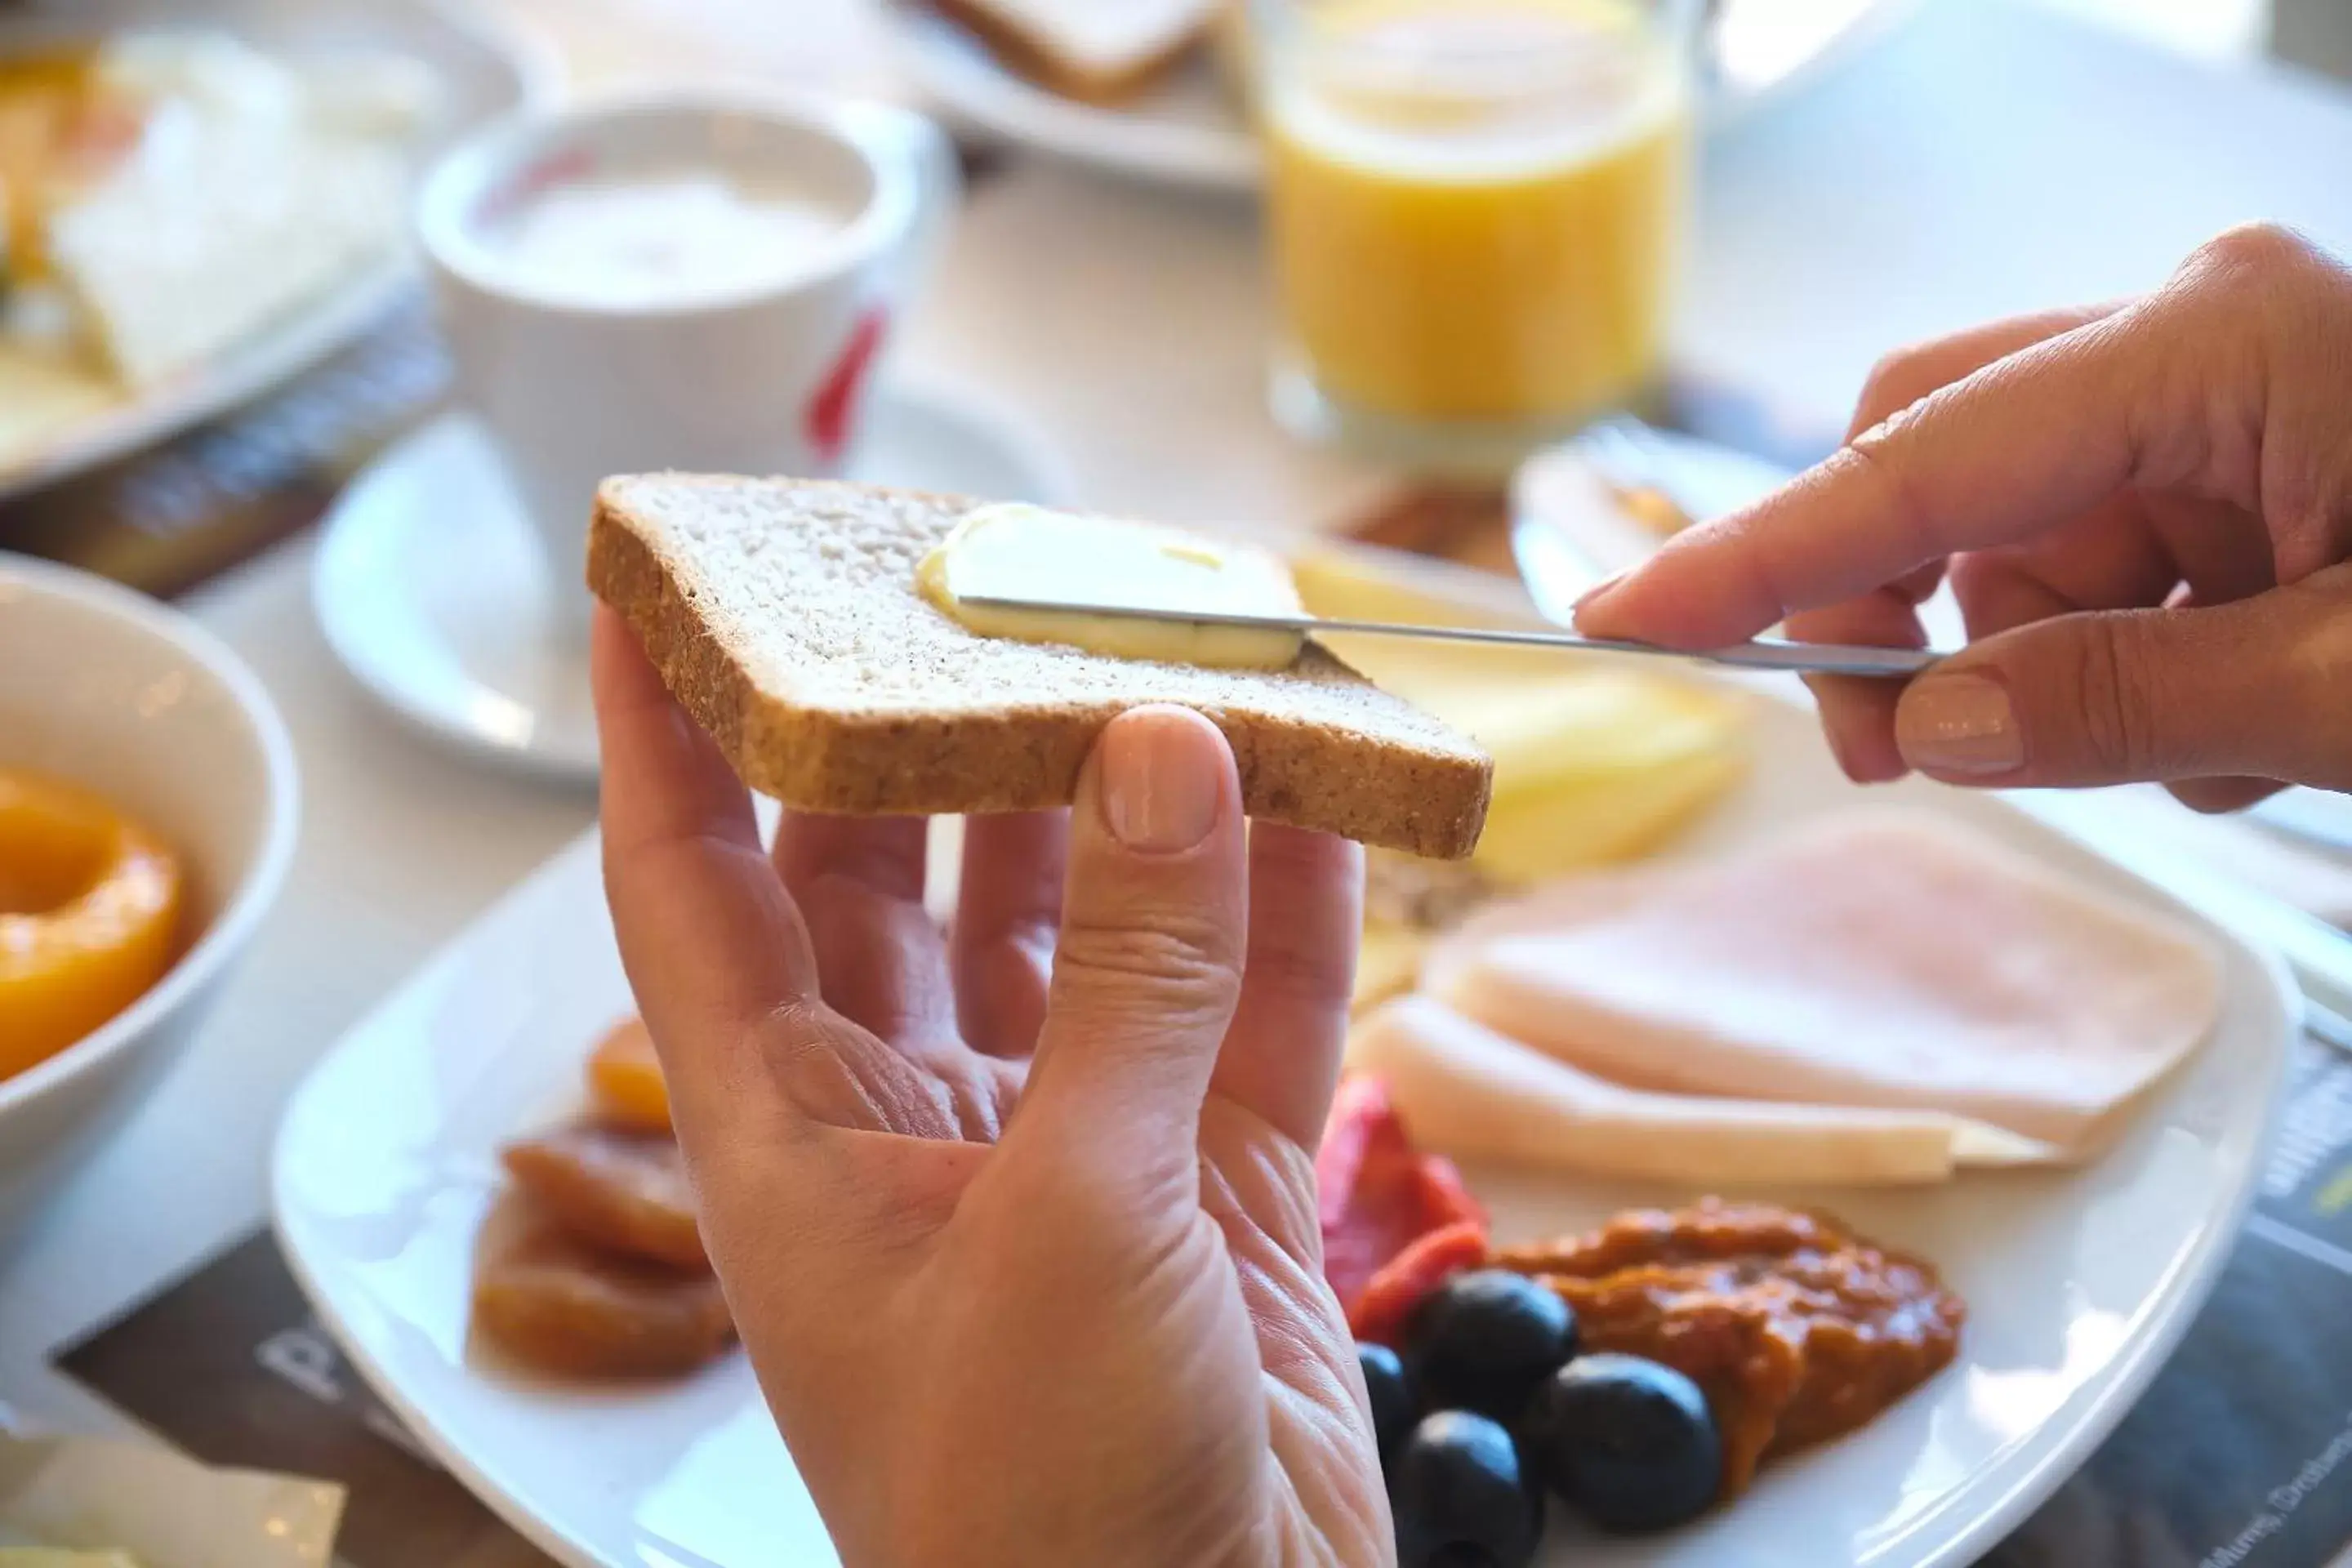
1886, 960
1480, 1095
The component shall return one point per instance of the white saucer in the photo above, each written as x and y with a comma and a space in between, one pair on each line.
432, 592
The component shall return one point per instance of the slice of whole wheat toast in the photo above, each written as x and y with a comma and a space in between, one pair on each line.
783, 615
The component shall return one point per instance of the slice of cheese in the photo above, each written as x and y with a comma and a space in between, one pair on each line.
1474, 1094
1884, 959
1594, 763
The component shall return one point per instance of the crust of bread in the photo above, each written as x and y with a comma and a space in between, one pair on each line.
959, 724
1035, 60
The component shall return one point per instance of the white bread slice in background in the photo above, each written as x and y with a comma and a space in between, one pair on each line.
1099, 51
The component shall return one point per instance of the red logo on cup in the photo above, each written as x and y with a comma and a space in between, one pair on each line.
829, 411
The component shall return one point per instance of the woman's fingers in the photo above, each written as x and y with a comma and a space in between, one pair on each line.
2247, 689
2225, 383
859, 881
1010, 903
884, 854
2217, 797
761, 1070
1150, 964
1858, 715
2108, 559
1908, 374
2017, 447
1281, 1058
713, 947
2219, 552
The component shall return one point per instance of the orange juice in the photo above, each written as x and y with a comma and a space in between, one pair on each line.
1475, 205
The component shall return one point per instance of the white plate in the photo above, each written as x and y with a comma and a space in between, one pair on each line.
1188, 132
2080, 1284
483, 70
430, 589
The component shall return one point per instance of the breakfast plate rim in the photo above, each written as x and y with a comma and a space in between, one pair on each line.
2176, 1305
461, 1465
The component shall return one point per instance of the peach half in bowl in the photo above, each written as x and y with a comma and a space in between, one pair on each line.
148, 809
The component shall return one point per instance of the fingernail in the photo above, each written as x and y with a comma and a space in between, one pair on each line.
1960, 724
1162, 781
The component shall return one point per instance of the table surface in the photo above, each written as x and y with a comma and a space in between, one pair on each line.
1159, 412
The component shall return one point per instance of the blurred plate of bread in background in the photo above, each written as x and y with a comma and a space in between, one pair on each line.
192, 211
1153, 90
1143, 88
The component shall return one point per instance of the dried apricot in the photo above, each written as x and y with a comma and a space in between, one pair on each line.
625, 1077
620, 1190
556, 1304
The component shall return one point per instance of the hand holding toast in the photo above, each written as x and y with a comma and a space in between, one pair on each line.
1017, 1221
2146, 513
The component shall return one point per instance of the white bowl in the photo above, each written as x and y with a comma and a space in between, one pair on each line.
117, 693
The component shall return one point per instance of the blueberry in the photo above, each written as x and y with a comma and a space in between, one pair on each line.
1629, 1443
1485, 1341
1392, 1409
1461, 1498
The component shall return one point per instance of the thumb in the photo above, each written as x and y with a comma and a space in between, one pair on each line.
1148, 968
2249, 688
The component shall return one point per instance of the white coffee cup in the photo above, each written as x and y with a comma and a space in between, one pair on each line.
599, 329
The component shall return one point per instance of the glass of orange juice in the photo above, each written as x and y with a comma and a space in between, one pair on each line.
1476, 211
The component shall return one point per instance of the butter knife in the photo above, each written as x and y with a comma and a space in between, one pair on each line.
1809, 658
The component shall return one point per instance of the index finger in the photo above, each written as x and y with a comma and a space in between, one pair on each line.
713, 947
2014, 449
